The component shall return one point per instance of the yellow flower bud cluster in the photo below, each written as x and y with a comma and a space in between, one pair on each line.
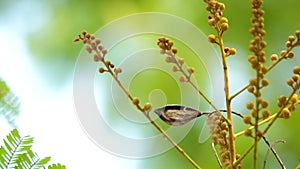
93, 45
294, 81
288, 105
293, 41
219, 130
257, 44
166, 46
216, 18
262, 105
229, 51
147, 107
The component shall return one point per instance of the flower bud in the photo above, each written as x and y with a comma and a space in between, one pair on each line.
290, 82
135, 100
285, 113
147, 107
84, 32
247, 119
212, 38
295, 77
291, 55
282, 99
224, 26
182, 79
191, 70
97, 41
174, 51
266, 114
175, 69
88, 49
249, 105
291, 38
232, 51
97, 58
274, 57
282, 53
248, 132
223, 20
107, 63
117, 70
104, 51
253, 81
297, 33
181, 61
296, 70
101, 70
265, 82
250, 89
264, 104
212, 22
294, 98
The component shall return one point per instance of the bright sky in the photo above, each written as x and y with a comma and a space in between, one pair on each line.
46, 114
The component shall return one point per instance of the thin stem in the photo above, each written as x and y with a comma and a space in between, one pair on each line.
165, 135
188, 77
228, 100
100, 52
239, 92
216, 155
277, 114
178, 148
259, 124
274, 152
268, 70
273, 118
256, 137
282, 57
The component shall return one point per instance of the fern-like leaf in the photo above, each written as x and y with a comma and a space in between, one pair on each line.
31, 160
16, 153
43, 162
9, 103
56, 166
15, 145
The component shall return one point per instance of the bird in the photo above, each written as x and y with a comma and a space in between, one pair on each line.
177, 115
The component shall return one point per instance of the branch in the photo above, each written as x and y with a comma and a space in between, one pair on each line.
94, 45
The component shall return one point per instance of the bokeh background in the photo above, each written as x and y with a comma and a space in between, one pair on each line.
38, 59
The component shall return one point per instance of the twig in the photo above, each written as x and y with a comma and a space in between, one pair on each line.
94, 44
260, 123
239, 92
274, 152
228, 101
279, 112
216, 155
268, 70
166, 46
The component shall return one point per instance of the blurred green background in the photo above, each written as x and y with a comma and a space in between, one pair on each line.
48, 27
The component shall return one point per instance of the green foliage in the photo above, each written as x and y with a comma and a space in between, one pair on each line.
9, 103
16, 153
56, 166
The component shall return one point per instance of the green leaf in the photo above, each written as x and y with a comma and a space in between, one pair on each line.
43, 162
3, 89
9, 103
56, 166
16, 153
14, 149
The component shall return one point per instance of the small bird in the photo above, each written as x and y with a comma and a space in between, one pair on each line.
177, 115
